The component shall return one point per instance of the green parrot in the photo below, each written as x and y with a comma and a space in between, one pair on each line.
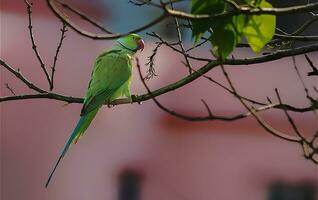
111, 78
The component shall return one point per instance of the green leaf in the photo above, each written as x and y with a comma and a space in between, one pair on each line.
227, 34
237, 24
209, 7
260, 29
223, 42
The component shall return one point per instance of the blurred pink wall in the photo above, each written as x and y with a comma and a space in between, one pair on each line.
179, 160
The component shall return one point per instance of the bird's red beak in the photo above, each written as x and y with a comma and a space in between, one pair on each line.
141, 44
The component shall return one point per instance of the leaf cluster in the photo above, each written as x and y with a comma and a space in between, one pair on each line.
227, 32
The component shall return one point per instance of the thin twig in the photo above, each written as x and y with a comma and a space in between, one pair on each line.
245, 10
34, 46
180, 42
91, 35
199, 44
260, 121
254, 60
314, 71
290, 119
19, 75
151, 72
304, 38
312, 101
10, 89
207, 107
84, 16
63, 31
305, 25
68, 99
211, 116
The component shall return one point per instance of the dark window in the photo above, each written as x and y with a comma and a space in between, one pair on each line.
129, 185
288, 191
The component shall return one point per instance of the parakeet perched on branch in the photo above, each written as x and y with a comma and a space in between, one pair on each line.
110, 80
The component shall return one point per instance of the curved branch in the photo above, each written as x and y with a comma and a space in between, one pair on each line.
210, 116
254, 60
63, 31
253, 112
18, 74
245, 10
68, 99
138, 99
273, 56
304, 38
34, 46
303, 27
83, 16
193, 76
91, 35
290, 119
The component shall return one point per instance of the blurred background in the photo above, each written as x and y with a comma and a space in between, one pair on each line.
133, 152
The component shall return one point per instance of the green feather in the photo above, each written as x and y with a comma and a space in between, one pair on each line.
110, 80
80, 128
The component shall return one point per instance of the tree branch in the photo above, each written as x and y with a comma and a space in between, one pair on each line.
18, 74
63, 31
245, 10
34, 46
314, 71
210, 117
260, 121
84, 16
198, 73
91, 35
68, 99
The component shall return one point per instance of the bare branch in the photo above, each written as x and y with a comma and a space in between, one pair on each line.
63, 31
91, 35
18, 74
187, 62
10, 89
302, 28
247, 61
260, 121
312, 100
199, 44
207, 107
34, 46
290, 119
314, 71
210, 117
245, 10
305, 38
198, 73
151, 72
54, 96
85, 17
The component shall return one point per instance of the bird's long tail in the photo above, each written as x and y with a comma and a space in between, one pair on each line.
78, 131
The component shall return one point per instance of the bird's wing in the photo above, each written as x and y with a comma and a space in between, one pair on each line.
111, 71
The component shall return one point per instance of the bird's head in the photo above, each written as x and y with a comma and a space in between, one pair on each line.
132, 42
